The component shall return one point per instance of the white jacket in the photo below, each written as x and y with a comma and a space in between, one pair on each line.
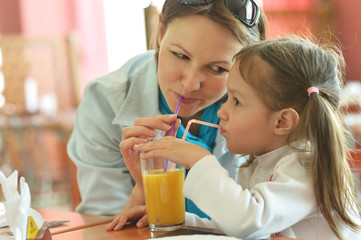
110, 103
274, 195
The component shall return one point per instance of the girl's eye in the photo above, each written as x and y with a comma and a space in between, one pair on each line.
180, 55
236, 102
218, 69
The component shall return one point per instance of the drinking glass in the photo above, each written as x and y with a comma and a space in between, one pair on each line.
163, 189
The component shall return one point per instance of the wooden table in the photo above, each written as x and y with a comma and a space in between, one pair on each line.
91, 227
76, 220
98, 232
129, 232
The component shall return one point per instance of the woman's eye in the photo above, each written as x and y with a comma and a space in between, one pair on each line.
180, 55
218, 69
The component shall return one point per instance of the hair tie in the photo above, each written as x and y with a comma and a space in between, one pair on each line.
312, 90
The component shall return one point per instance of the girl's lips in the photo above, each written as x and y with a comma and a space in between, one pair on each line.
221, 130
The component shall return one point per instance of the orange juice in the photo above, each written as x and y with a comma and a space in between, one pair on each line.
164, 196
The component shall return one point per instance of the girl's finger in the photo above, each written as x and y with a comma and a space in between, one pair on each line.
138, 147
121, 223
143, 222
158, 144
111, 225
130, 142
157, 153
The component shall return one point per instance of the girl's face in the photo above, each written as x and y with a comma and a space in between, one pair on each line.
195, 57
246, 123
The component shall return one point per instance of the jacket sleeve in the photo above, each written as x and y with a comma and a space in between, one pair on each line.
251, 213
103, 180
192, 219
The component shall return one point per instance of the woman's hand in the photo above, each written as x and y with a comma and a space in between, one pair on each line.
175, 150
142, 130
133, 210
136, 214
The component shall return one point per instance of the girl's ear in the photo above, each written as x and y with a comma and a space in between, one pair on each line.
161, 29
287, 120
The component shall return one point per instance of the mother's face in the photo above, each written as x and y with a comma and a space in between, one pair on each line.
195, 57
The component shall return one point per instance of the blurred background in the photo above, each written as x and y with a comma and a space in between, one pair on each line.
49, 51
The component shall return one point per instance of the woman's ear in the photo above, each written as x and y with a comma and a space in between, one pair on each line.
161, 29
286, 120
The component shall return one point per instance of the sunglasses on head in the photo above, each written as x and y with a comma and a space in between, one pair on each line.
246, 11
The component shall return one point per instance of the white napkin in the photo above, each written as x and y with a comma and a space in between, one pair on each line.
3, 221
199, 237
17, 206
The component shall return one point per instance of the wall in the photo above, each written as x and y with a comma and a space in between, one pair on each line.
90, 26
82, 19
85, 17
349, 33
55, 18
9, 16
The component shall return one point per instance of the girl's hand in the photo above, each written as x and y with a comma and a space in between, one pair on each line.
142, 130
175, 150
136, 214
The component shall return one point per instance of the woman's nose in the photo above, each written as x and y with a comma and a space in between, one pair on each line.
192, 80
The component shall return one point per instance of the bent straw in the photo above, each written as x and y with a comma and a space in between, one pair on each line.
172, 128
189, 125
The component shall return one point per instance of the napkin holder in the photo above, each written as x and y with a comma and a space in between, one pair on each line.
24, 222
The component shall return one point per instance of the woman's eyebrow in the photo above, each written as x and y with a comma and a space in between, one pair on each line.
190, 55
221, 62
180, 47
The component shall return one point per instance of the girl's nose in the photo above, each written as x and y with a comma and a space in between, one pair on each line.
221, 113
192, 80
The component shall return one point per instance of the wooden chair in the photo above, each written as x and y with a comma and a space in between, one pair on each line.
35, 143
355, 164
355, 160
316, 18
49, 60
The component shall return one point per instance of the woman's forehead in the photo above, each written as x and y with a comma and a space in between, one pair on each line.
196, 22
196, 31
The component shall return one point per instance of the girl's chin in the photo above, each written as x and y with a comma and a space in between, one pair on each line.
232, 149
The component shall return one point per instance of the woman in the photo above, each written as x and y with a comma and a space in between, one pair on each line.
196, 45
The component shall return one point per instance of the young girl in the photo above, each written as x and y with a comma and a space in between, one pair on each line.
282, 109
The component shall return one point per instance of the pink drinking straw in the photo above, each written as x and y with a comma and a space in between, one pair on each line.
172, 128
189, 125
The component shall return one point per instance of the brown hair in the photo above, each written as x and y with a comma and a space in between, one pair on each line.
297, 64
218, 12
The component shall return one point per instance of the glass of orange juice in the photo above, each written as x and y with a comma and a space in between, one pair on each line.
163, 189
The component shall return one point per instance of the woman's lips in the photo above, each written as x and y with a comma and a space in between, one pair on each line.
187, 100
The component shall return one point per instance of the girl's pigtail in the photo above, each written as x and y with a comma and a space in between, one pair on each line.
329, 164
